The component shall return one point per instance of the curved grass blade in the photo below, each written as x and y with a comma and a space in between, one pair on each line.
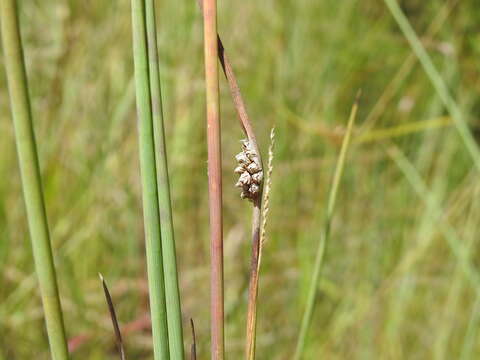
308, 314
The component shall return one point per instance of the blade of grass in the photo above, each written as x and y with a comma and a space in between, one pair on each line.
214, 177
308, 314
149, 185
31, 178
436, 80
172, 291
113, 317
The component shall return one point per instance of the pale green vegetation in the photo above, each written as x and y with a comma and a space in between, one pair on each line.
399, 278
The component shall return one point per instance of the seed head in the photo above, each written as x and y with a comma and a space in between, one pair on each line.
250, 171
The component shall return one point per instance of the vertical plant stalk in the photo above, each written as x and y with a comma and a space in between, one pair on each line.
31, 179
257, 258
172, 291
257, 203
234, 90
214, 178
312, 292
149, 185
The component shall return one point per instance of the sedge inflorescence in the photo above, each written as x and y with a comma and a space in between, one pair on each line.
250, 171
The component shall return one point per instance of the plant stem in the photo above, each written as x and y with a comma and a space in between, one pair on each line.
214, 177
235, 91
149, 185
257, 206
172, 292
312, 292
31, 179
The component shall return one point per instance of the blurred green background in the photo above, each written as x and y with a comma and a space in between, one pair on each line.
397, 282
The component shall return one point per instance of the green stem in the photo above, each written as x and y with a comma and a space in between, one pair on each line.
172, 292
312, 292
31, 179
149, 185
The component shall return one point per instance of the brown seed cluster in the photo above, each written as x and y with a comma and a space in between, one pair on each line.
250, 171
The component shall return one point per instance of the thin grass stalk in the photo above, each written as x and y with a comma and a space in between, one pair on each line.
31, 178
250, 340
257, 204
259, 233
437, 81
214, 178
234, 90
172, 291
312, 292
151, 213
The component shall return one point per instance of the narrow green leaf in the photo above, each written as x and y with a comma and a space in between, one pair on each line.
308, 314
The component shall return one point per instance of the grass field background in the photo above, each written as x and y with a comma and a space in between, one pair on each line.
400, 277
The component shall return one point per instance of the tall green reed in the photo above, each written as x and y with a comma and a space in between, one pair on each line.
172, 292
31, 178
324, 238
149, 184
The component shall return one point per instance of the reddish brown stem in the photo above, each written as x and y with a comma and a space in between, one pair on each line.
214, 178
235, 90
257, 210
